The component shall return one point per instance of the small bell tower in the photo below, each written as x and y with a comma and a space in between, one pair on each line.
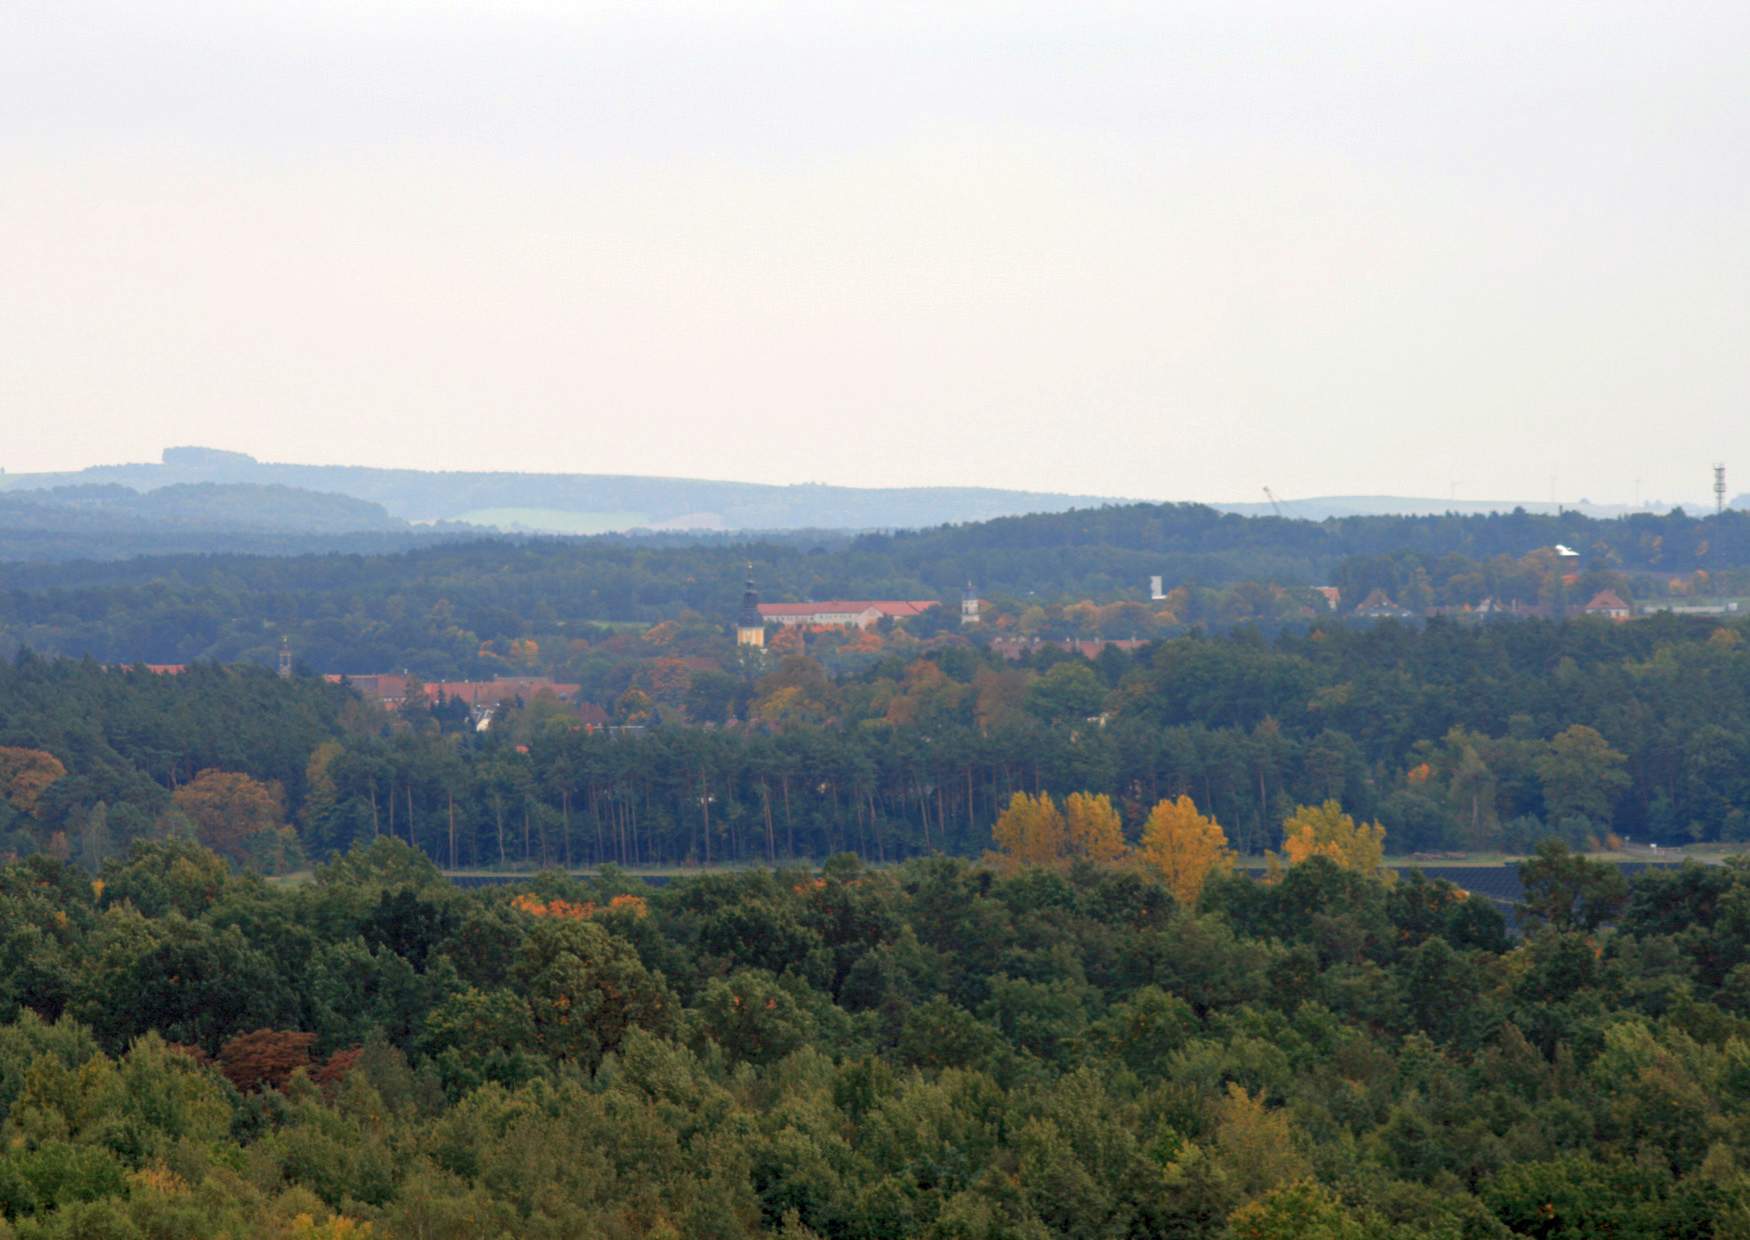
285, 659
750, 628
969, 604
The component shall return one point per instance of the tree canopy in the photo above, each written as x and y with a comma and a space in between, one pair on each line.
935, 1049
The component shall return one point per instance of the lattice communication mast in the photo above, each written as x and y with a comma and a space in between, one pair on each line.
1719, 490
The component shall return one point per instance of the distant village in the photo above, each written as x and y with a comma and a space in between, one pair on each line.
759, 626
1604, 604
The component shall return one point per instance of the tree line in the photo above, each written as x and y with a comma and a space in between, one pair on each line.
1452, 736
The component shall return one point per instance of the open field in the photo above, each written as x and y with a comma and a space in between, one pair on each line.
1490, 873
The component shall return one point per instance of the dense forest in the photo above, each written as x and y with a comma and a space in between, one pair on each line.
1672, 541
441, 610
936, 1050
1451, 735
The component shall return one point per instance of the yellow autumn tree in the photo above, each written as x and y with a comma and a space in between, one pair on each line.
1326, 831
1184, 847
1095, 831
1255, 1143
1031, 831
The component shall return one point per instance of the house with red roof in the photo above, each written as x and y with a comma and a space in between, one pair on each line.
1610, 605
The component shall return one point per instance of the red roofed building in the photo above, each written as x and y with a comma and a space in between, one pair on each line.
387, 689
1610, 605
842, 613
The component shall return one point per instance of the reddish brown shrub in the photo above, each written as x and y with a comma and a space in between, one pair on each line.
338, 1065
265, 1058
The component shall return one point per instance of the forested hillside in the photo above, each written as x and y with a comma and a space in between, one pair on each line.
936, 1051
1452, 736
1193, 543
109, 522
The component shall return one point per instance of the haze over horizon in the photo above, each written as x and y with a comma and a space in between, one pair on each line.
1495, 253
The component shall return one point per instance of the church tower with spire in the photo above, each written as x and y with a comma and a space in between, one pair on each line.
750, 629
969, 604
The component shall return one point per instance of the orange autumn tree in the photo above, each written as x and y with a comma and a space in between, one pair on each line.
1094, 830
633, 906
1184, 847
863, 641
1326, 831
227, 808
25, 774
1031, 831
796, 693
666, 679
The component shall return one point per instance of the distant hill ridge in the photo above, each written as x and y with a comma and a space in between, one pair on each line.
108, 520
203, 505
354, 498
578, 503
606, 503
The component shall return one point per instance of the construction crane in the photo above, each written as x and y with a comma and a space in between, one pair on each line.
1275, 504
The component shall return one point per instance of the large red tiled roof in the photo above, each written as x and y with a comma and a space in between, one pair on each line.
899, 609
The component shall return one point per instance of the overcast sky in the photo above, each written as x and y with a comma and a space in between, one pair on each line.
1174, 250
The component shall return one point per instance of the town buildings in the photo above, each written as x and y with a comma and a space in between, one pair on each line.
842, 613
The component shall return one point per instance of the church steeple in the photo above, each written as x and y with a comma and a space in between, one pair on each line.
750, 628
969, 604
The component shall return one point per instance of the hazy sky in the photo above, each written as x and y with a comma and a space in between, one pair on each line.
1175, 250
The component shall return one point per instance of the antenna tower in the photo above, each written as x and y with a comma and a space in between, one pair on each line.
1719, 490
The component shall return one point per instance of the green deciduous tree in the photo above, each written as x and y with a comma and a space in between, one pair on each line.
1582, 776
585, 989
